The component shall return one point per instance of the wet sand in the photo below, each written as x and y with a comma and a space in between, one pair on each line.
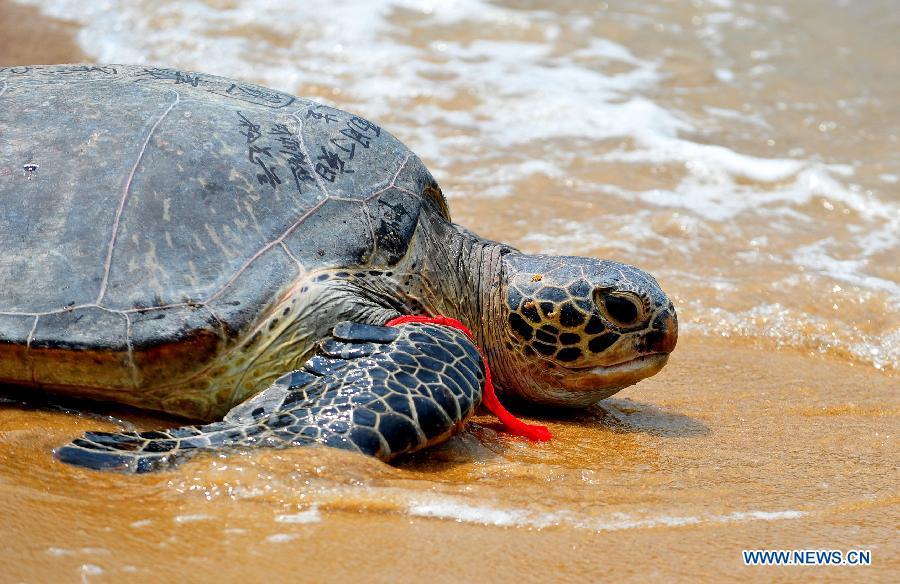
734, 445
730, 448
29, 37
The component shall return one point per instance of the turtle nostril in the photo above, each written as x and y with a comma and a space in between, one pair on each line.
621, 309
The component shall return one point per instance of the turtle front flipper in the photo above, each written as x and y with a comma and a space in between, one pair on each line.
381, 391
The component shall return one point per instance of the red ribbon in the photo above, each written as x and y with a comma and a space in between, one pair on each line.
513, 424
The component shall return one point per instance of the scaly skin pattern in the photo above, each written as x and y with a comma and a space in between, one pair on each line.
378, 391
578, 330
560, 330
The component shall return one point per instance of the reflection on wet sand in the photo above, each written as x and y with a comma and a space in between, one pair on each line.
627, 416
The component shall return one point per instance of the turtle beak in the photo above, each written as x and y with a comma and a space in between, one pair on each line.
648, 355
664, 337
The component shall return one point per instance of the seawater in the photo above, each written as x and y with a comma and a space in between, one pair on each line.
748, 154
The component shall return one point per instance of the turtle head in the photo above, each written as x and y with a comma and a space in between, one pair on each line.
575, 330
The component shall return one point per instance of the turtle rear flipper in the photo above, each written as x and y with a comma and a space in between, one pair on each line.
380, 391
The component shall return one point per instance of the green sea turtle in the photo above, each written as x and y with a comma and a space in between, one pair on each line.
222, 251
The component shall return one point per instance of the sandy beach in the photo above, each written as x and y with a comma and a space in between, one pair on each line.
731, 448
743, 441
29, 37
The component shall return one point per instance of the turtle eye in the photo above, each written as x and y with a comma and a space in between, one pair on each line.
620, 307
